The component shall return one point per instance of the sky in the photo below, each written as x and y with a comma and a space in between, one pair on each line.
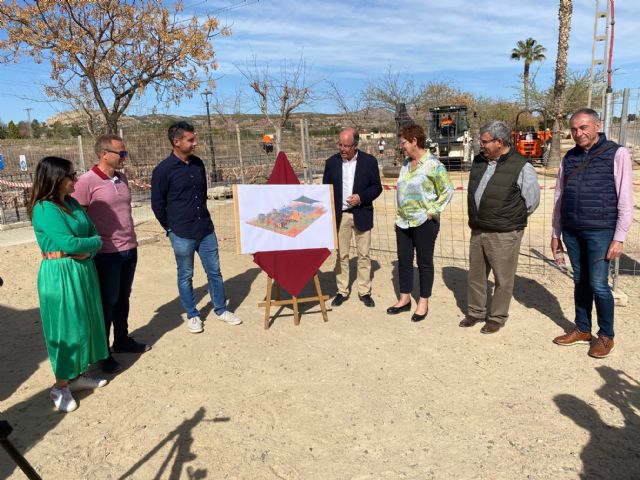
466, 43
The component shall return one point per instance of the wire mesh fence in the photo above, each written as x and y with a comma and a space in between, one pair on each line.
236, 155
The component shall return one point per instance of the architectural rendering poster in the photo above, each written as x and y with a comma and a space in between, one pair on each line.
283, 217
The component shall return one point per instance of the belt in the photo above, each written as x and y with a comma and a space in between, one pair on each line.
53, 255
348, 211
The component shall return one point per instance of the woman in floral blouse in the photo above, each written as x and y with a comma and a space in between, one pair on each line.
424, 190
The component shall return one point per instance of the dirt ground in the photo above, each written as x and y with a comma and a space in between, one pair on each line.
363, 396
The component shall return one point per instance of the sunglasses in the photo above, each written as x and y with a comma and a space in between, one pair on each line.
72, 176
121, 153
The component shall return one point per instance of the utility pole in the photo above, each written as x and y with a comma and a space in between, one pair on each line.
214, 174
28, 110
599, 57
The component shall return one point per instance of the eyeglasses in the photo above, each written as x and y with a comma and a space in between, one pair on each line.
72, 176
121, 153
345, 147
487, 142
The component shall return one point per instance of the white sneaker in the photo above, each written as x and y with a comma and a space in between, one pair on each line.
62, 399
86, 382
194, 324
230, 318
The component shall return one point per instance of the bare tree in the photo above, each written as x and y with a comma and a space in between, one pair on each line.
227, 107
105, 53
558, 112
435, 94
356, 110
576, 92
278, 95
390, 90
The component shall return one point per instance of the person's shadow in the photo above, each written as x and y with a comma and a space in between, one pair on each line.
32, 418
628, 265
23, 347
182, 439
327, 280
238, 288
395, 279
531, 294
526, 291
170, 315
612, 452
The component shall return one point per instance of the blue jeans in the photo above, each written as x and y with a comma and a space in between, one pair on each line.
587, 250
207, 249
115, 273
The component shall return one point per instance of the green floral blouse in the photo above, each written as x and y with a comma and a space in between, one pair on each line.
423, 193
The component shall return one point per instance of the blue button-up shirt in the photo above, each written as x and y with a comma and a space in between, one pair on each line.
179, 197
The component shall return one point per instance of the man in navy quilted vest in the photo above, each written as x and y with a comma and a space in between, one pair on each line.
593, 211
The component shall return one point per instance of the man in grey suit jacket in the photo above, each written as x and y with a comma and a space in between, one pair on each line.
356, 184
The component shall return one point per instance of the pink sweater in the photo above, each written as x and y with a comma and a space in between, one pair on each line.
108, 203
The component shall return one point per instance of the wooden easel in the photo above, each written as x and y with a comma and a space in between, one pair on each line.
320, 298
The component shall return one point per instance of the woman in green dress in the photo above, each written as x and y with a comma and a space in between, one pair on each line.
68, 286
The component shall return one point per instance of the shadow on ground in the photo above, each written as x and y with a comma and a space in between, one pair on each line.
327, 285
611, 452
628, 265
180, 453
526, 291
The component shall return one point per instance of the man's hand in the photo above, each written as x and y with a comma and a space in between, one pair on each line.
556, 246
353, 200
557, 250
615, 250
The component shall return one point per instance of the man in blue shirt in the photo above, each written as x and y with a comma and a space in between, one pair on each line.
179, 202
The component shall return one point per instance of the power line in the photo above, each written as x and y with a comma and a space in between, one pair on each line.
233, 6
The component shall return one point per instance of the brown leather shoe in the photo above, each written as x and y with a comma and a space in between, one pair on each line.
601, 347
469, 321
573, 337
491, 326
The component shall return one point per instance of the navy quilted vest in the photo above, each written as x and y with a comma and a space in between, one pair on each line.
589, 199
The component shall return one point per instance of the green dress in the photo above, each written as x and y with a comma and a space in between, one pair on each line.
68, 289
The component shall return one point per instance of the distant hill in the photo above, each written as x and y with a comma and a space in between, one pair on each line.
376, 119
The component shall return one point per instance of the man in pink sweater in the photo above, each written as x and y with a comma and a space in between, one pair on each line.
104, 192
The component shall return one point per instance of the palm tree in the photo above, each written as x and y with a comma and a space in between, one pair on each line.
564, 15
530, 51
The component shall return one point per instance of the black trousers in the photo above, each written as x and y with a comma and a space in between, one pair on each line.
422, 240
115, 272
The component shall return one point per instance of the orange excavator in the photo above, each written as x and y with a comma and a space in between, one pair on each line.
531, 143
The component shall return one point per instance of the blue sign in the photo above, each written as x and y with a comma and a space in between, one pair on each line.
1, 162
23, 163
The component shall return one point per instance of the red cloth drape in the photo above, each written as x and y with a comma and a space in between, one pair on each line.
292, 269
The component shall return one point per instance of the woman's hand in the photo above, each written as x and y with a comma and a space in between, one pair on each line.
80, 256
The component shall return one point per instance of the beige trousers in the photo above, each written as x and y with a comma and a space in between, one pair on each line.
363, 244
497, 252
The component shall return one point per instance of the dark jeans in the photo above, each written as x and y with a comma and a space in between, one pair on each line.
587, 250
115, 272
422, 239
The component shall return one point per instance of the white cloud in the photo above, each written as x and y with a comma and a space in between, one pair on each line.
467, 42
